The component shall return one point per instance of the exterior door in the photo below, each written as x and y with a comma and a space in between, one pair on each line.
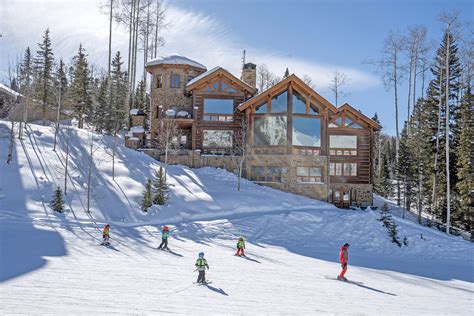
346, 199
337, 198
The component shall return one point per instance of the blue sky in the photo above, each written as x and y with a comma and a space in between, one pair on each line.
309, 37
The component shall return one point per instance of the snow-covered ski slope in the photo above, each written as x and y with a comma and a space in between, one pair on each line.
54, 264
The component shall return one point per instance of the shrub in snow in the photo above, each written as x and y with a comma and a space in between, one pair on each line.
160, 188
389, 223
147, 196
57, 203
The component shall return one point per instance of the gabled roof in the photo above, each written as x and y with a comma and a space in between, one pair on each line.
175, 59
347, 107
300, 85
217, 71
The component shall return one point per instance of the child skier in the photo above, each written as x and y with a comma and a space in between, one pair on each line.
240, 247
201, 265
164, 238
343, 258
106, 235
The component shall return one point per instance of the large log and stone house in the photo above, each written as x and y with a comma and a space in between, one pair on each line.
299, 142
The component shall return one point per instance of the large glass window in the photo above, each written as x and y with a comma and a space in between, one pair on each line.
308, 175
342, 145
266, 174
343, 141
175, 81
262, 108
280, 103
217, 139
269, 131
218, 110
299, 103
306, 131
346, 169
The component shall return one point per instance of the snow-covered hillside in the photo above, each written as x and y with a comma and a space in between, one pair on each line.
54, 264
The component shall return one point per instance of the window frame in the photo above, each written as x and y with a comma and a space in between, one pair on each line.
309, 178
175, 78
159, 81
334, 167
267, 176
226, 148
217, 117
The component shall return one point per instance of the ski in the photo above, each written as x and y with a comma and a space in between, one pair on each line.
345, 281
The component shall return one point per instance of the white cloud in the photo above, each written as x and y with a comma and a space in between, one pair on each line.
195, 35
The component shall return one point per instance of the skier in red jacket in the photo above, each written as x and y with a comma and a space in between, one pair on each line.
343, 258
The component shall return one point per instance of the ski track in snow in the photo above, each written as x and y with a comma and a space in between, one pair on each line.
53, 263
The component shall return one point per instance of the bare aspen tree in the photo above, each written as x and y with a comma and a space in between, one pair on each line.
241, 147
89, 172
440, 104
168, 137
266, 78
391, 70
308, 81
12, 142
338, 79
66, 162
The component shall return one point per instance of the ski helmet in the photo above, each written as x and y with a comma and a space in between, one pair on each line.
346, 245
201, 254
241, 238
166, 228
107, 225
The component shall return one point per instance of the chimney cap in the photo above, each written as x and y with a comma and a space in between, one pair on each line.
250, 66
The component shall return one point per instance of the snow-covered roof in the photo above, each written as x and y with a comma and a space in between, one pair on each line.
9, 91
137, 112
205, 74
137, 129
175, 60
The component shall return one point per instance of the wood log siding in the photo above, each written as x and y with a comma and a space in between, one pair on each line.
200, 124
363, 158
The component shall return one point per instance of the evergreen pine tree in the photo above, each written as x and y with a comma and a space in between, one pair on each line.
160, 187
118, 95
465, 163
147, 196
44, 63
405, 167
140, 96
26, 72
389, 223
102, 108
57, 203
80, 94
286, 74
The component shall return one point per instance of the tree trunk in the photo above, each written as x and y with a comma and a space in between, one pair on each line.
67, 159
89, 174
448, 188
58, 115
110, 38
10, 146
440, 101
397, 143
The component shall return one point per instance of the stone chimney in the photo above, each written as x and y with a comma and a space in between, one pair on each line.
249, 74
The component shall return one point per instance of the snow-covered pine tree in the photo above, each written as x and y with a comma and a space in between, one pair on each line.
80, 94
286, 74
43, 64
160, 188
147, 199
57, 203
385, 214
393, 232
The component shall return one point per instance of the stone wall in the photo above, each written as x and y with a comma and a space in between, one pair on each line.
170, 97
362, 194
289, 183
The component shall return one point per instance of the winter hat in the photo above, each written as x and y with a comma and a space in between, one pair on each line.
346, 245
201, 254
